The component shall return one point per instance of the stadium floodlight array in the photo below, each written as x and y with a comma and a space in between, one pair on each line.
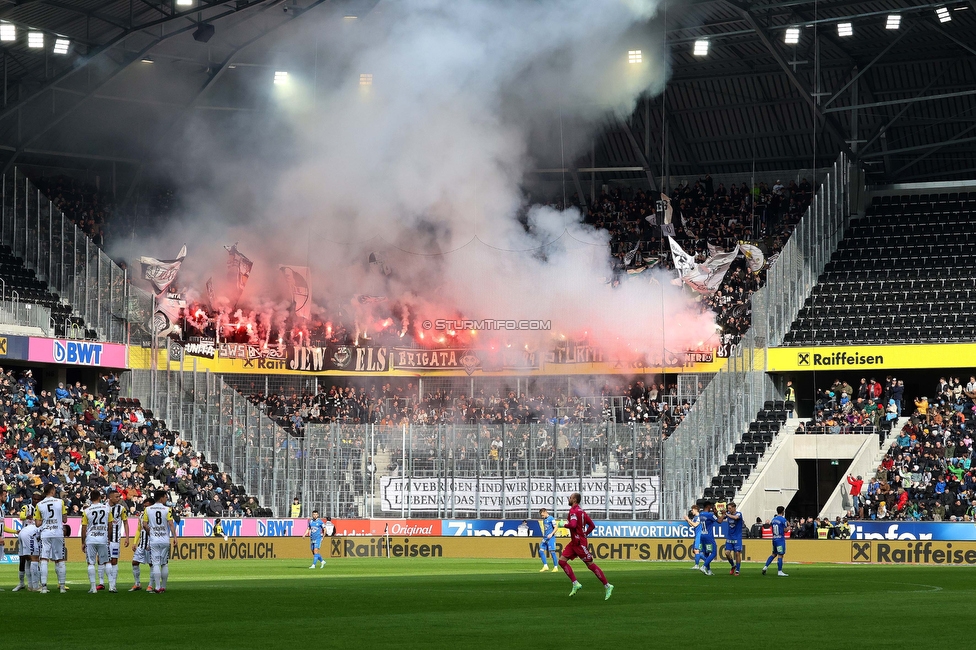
792, 36
635, 56
61, 46
845, 29
35, 39
943, 14
701, 47
8, 31
281, 77
184, 3
894, 21
366, 79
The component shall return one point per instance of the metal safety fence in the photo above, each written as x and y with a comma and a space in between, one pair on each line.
446, 471
723, 410
63, 257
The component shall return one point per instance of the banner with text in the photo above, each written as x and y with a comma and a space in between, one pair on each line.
494, 494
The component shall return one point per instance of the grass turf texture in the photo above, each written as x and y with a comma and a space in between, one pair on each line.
416, 603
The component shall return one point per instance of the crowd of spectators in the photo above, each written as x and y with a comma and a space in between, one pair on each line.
81, 203
81, 439
389, 404
703, 214
927, 473
873, 407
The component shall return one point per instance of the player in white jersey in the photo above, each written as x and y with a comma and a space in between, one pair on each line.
118, 530
158, 522
30, 550
51, 516
95, 523
27, 515
140, 555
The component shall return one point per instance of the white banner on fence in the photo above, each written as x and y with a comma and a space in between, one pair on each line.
519, 494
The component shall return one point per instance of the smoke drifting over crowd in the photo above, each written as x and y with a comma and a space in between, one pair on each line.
423, 169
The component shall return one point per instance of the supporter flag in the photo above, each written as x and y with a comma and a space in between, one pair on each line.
629, 257
714, 250
668, 230
211, 294
167, 317
370, 300
161, 273
754, 256
704, 278
668, 210
238, 268
718, 265
297, 278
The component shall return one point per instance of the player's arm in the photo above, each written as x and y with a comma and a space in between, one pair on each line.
588, 525
125, 528
172, 524
84, 528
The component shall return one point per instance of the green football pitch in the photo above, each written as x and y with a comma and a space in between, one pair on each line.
372, 603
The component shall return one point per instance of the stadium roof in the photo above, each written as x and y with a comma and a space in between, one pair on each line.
902, 100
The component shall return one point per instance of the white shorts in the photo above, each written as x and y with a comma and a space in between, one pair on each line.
159, 554
52, 548
140, 555
28, 547
97, 553
113, 550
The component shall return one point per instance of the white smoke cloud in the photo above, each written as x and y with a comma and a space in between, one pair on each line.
425, 165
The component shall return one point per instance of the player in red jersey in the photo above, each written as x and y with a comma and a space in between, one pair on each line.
580, 526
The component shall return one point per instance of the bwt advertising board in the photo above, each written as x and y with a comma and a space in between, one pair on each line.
77, 353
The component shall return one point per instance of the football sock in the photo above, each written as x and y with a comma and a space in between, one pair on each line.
113, 575
135, 572
568, 569
101, 574
738, 565
164, 572
35, 572
61, 570
44, 574
555, 558
599, 573
21, 574
542, 555
779, 563
154, 578
92, 575
770, 559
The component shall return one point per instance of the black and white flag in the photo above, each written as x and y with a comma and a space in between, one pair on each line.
161, 273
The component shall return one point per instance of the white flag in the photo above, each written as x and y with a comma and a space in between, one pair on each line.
714, 250
298, 283
703, 278
754, 256
161, 273
629, 257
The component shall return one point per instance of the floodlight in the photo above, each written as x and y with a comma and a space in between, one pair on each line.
701, 47
366, 79
894, 21
792, 36
943, 14
845, 29
635, 56
8, 31
35, 39
61, 45
281, 77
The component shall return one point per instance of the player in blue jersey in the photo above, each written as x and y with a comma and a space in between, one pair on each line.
778, 524
733, 538
694, 522
316, 528
707, 519
548, 544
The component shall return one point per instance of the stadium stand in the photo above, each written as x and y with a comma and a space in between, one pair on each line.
927, 473
78, 440
905, 272
21, 284
747, 453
